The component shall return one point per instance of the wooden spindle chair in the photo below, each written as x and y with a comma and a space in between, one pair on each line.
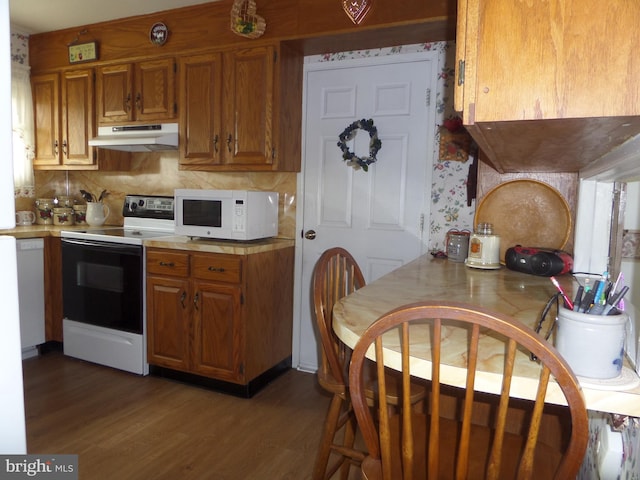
420, 446
336, 275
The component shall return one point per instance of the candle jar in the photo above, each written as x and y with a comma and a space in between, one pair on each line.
484, 247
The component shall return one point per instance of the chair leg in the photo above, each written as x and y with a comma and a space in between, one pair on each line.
329, 432
349, 439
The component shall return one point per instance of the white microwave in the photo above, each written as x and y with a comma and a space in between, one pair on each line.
226, 214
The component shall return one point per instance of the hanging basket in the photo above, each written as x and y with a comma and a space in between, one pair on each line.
244, 21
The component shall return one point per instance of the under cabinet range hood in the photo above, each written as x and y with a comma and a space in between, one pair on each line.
138, 138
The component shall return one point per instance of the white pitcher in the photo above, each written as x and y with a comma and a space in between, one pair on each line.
97, 212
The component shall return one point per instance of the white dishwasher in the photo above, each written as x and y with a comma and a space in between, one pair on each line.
30, 259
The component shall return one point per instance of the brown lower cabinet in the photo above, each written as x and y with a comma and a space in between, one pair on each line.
226, 318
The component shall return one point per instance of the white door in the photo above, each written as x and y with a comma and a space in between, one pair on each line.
380, 216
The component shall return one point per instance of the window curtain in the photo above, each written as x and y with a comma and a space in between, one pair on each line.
23, 130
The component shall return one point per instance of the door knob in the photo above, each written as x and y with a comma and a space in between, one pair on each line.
310, 234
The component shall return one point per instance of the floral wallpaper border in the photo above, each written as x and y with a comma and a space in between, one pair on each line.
449, 209
20, 48
631, 244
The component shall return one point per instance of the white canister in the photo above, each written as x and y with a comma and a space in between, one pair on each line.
484, 247
592, 345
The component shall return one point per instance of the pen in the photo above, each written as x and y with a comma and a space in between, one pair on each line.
615, 285
567, 303
615, 300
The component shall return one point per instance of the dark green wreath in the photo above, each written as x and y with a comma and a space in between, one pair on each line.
374, 144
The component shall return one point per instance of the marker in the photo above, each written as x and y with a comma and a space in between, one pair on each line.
599, 296
567, 302
578, 299
587, 300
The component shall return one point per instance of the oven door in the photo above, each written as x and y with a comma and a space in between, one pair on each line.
102, 284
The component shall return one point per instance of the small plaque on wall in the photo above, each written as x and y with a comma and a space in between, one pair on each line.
84, 52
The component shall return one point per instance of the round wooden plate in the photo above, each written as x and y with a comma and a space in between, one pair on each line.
528, 213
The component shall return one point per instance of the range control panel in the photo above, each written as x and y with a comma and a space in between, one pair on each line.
148, 206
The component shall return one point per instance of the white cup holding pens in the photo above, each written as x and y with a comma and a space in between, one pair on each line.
591, 336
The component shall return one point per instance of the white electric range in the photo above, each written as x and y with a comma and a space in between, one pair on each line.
103, 285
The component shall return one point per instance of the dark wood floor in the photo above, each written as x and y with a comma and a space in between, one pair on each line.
129, 427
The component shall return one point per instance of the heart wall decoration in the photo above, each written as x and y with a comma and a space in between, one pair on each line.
356, 10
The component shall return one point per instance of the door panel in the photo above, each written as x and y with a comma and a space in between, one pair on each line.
168, 322
217, 333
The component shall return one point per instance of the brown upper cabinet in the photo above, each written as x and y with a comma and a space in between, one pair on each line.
64, 118
236, 106
548, 85
136, 92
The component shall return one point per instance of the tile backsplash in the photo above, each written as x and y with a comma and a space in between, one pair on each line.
158, 174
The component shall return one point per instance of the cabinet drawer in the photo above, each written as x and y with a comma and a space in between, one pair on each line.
220, 268
168, 263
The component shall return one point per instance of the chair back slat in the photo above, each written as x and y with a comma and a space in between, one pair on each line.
495, 460
408, 450
472, 361
399, 444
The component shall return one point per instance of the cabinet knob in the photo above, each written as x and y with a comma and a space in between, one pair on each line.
216, 269
167, 264
138, 101
195, 300
229, 140
182, 298
215, 143
64, 148
55, 147
127, 102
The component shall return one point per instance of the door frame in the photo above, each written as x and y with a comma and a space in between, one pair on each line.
332, 65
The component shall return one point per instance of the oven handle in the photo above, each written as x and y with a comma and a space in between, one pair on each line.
121, 248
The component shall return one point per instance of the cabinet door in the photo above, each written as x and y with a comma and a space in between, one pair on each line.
155, 90
547, 60
46, 101
200, 109
114, 90
78, 117
168, 311
217, 339
249, 90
